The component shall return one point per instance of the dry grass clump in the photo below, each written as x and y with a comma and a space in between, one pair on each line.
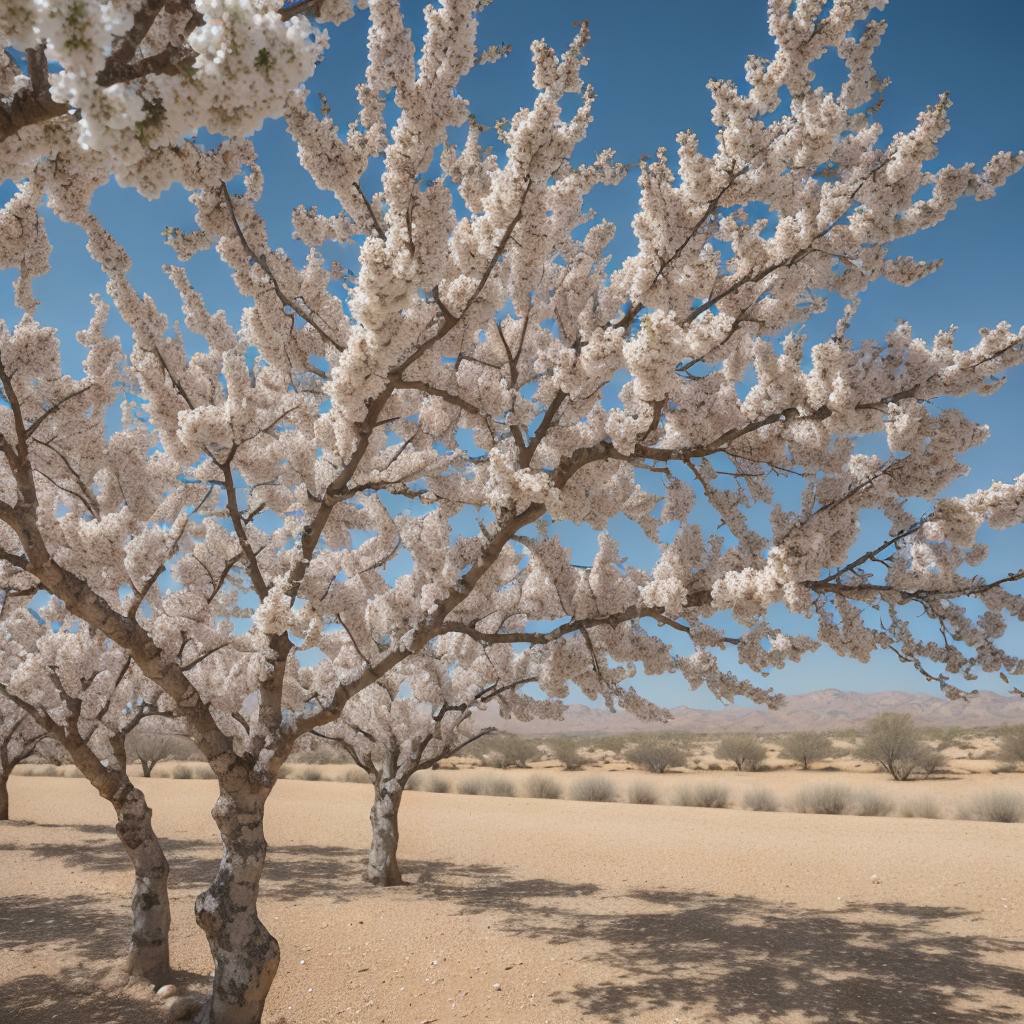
642, 793
50, 770
1004, 807
830, 799
188, 771
870, 804
437, 784
707, 794
593, 788
543, 787
920, 807
471, 785
354, 774
760, 800
498, 787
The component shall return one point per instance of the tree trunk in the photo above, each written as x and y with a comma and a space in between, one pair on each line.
149, 948
245, 954
5, 806
382, 863
147, 768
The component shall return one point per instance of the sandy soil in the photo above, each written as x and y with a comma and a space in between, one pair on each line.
542, 912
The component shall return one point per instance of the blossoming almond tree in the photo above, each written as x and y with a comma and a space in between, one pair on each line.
411, 721
19, 740
123, 83
83, 695
363, 467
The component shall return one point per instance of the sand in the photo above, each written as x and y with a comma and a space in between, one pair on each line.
533, 911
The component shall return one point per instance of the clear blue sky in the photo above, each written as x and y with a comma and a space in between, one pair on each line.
650, 60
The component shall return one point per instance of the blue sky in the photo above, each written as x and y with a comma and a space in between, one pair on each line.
650, 61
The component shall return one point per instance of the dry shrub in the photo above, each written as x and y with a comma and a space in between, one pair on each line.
893, 742
1011, 744
642, 793
657, 755
470, 786
438, 784
354, 774
182, 771
746, 752
498, 787
506, 751
594, 788
920, 807
567, 750
870, 804
543, 787
829, 799
1004, 807
760, 800
807, 747
707, 794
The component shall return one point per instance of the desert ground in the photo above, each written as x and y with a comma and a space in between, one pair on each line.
546, 911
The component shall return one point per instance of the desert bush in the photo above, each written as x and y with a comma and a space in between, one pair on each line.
658, 754
920, 807
807, 747
498, 787
746, 752
1011, 744
930, 761
438, 784
182, 771
311, 775
415, 783
613, 744
1004, 807
829, 799
642, 793
543, 787
354, 774
567, 750
894, 743
506, 751
952, 736
760, 800
41, 769
594, 788
471, 785
870, 804
707, 794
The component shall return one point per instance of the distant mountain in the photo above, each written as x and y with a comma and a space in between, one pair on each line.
820, 710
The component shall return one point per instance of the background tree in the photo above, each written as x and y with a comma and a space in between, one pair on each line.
150, 746
392, 736
372, 461
82, 695
659, 753
894, 742
807, 747
746, 752
19, 740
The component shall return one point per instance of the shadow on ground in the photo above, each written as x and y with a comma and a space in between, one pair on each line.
662, 951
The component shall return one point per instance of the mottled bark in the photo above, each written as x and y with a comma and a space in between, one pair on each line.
245, 954
149, 946
382, 863
5, 806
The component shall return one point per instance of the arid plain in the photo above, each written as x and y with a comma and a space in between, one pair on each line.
550, 911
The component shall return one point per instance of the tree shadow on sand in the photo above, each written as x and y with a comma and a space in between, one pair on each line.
665, 952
